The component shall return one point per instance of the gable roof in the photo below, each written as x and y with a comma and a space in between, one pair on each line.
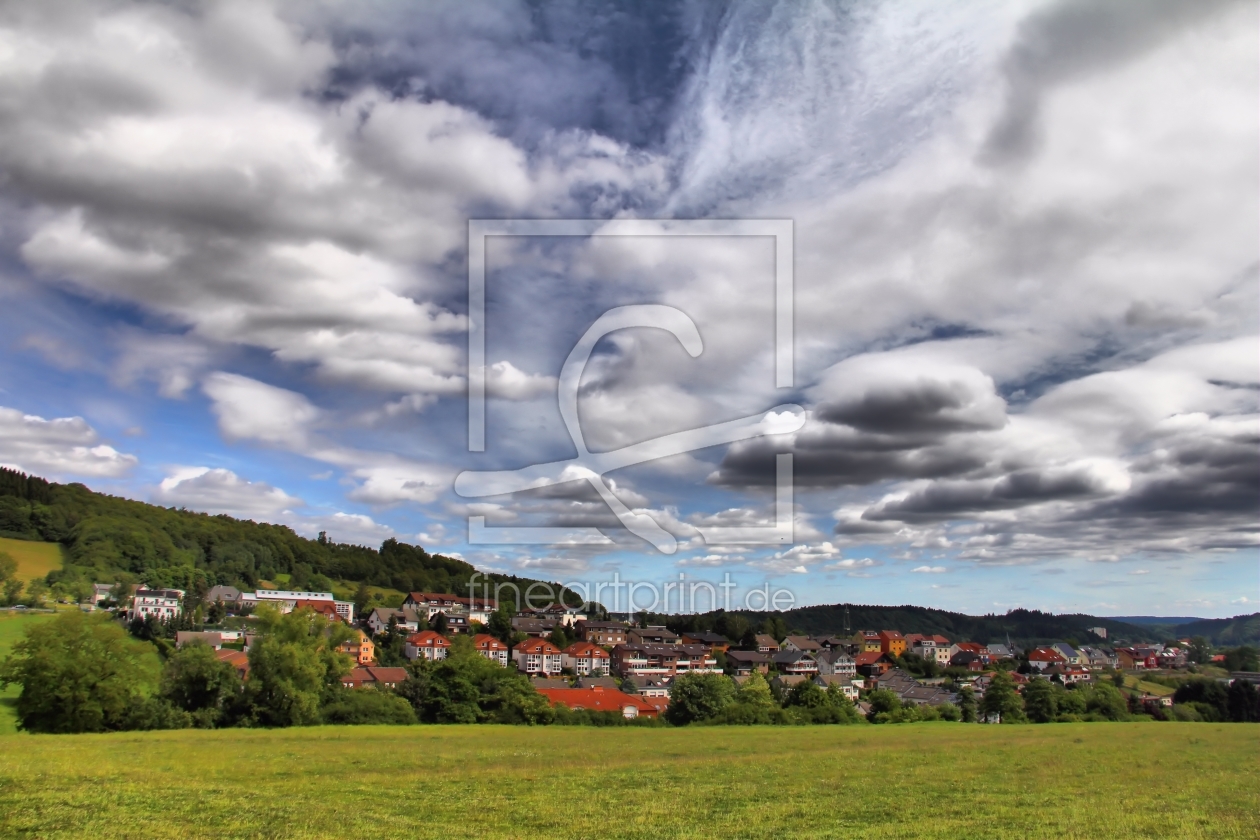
802, 643
428, 638
600, 700
484, 641
538, 647
586, 650
869, 658
708, 638
377, 674
752, 657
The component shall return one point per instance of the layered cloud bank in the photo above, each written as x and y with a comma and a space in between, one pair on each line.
1025, 269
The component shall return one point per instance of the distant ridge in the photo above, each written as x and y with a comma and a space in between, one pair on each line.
1165, 621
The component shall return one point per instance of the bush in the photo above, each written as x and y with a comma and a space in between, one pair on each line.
358, 706
698, 697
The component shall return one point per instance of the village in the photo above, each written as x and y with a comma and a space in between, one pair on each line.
617, 666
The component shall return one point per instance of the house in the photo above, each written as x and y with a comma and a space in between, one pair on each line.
714, 641
968, 659
696, 659
766, 644
188, 637
427, 644
238, 659
428, 603
535, 628
969, 647
1043, 657
935, 648
868, 640
102, 592
744, 662
162, 604
997, 651
453, 622
360, 648
845, 684
1171, 658
835, 661
407, 620
830, 642
795, 662
537, 656
491, 648
586, 659
652, 636
374, 676
226, 594
785, 682
895, 680
1069, 655
1136, 658
568, 616
606, 633
632, 660
892, 642
800, 643
327, 609
604, 700
1098, 657
872, 663
288, 600
650, 686
1067, 674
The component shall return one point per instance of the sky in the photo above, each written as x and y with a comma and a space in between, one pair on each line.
234, 277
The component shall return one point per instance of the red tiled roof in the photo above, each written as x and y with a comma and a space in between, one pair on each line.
600, 700
429, 638
325, 608
375, 674
1043, 654
484, 641
890, 634
586, 649
868, 658
539, 646
238, 659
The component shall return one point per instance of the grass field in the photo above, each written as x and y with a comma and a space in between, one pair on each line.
913, 781
34, 559
1154, 689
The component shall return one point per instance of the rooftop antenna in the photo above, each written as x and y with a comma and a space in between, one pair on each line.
847, 631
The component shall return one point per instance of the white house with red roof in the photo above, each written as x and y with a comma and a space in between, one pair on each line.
538, 656
586, 659
427, 644
491, 648
1043, 657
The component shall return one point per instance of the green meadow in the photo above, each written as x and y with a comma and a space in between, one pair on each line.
34, 559
936, 780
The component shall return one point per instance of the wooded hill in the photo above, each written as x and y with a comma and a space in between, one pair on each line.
108, 538
1023, 627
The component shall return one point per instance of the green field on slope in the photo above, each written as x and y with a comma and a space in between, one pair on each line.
34, 559
913, 781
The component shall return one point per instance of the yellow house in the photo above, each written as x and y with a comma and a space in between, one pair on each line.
869, 640
361, 648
